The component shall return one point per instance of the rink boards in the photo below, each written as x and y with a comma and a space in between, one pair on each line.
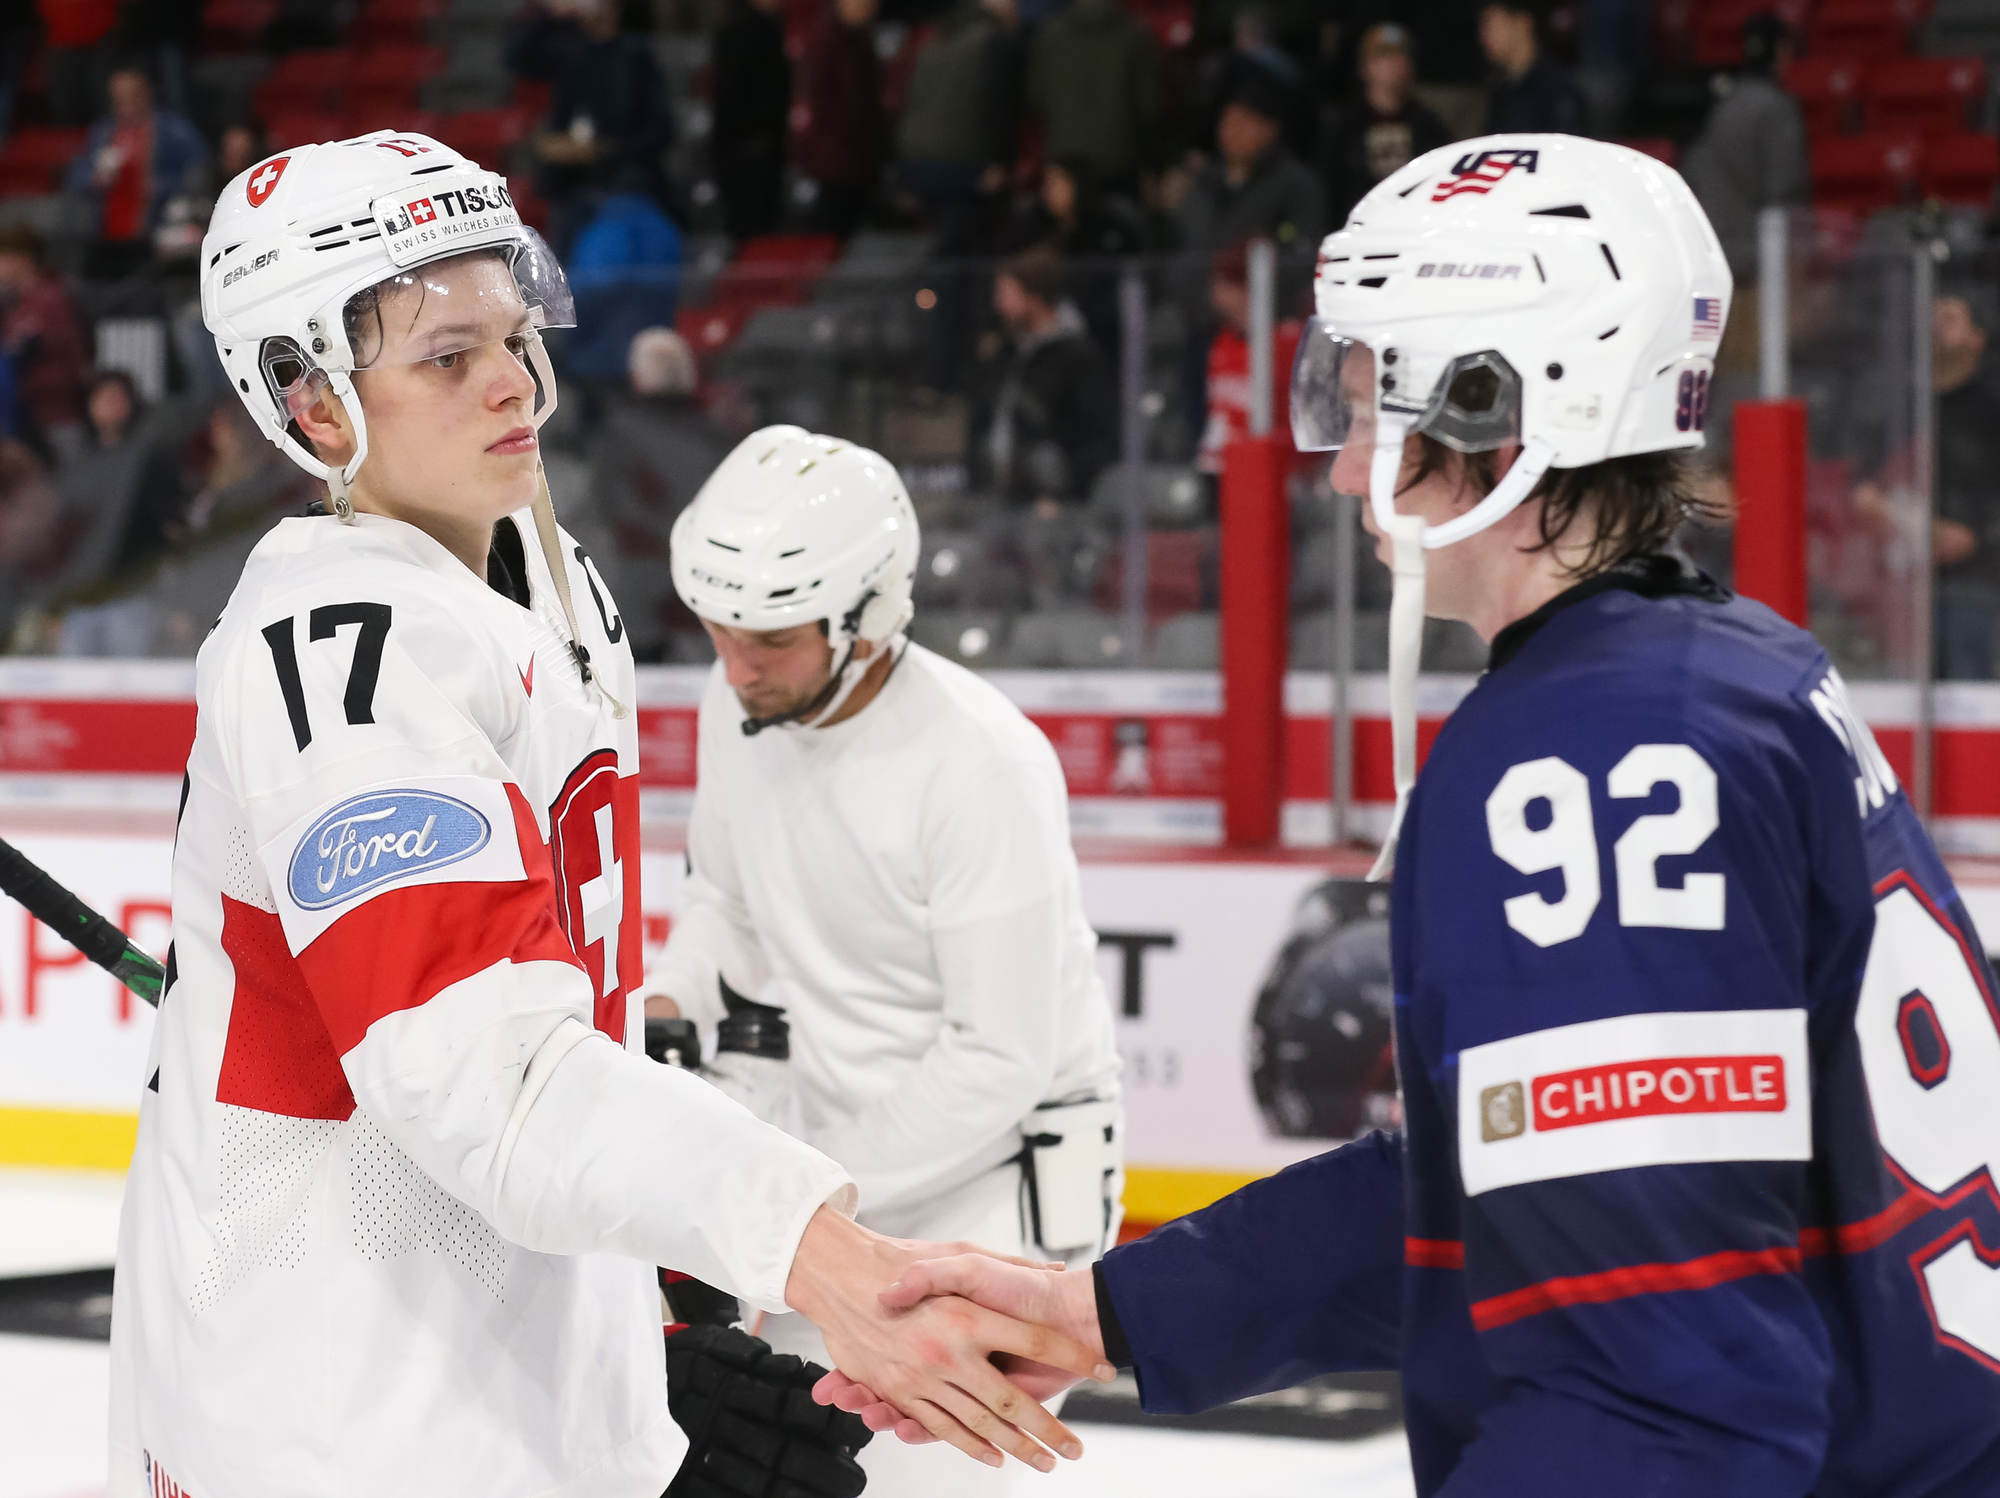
90, 759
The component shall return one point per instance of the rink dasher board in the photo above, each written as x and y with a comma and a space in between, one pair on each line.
1141, 750
1185, 942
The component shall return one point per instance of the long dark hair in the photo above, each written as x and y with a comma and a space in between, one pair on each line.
1637, 502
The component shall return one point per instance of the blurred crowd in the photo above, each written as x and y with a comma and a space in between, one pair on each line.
1022, 157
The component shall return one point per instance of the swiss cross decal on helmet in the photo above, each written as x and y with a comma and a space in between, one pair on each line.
1560, 295
264, 180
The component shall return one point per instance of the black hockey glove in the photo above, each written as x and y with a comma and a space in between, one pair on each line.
752, 1427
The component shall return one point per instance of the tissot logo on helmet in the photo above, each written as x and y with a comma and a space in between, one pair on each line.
264, 180
1479, 171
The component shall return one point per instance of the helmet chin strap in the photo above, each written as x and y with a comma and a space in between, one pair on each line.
1406, 621
1410, 536
829, 699
340, 481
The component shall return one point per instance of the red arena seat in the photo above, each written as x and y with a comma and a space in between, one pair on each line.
1828, 90
1961, 169
1924, 93
35, 157
1864, 172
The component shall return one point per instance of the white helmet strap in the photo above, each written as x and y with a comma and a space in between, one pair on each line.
545, 530
846, 676
1410, 536
340, 481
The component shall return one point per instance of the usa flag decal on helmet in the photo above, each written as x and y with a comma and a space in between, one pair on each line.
1480, 171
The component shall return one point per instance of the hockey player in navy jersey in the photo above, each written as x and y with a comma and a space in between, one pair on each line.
1698, 1049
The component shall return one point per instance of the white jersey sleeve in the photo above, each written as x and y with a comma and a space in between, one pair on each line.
413, 881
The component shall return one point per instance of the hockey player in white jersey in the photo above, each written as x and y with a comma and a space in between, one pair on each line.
401, 1176
880, 844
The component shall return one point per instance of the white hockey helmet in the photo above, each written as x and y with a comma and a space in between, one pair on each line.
296, 238
796, 528
1564, 294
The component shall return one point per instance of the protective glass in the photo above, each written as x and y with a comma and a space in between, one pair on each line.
439, 311
1475, 406
459, 303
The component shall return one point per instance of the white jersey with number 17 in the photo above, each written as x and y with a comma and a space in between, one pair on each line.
401, 1171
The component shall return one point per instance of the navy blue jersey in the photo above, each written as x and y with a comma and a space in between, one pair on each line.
1701, 1076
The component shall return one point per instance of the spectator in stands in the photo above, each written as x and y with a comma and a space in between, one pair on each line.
1095, 231
841, 150
1253, 189
44, 338
1529, 92
956, 142
132, 162
168, 34
542, 39
29, 511
77, 38
241, 485
1229, 360
18, 28
1255, 50
1751, 154
1047, 421
609, 121
961, 120
653, 450
123, 493
239, 148
1965, 528
1094, 83
1386, 127
752, 118
624, 268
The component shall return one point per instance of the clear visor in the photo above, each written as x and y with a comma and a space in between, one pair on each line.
459, 303
444, 311
1474, 406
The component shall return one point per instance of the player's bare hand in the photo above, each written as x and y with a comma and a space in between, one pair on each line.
932, 1362
880, 1416
1065, 1301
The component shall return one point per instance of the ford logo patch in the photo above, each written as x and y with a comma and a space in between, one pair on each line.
375, 839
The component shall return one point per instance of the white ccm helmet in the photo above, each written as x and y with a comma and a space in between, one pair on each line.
794, 528
1562, 293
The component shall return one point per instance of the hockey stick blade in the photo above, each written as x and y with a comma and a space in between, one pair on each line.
79, 925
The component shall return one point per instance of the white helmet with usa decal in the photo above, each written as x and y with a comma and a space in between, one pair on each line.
296, 241
1576, 282
1563, 294
795, 528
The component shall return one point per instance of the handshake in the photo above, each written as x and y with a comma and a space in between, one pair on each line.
943, 1342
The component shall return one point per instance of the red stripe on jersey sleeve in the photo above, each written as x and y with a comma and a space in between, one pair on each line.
401, 948
1433, 1253
1634, 1279
277, 1056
